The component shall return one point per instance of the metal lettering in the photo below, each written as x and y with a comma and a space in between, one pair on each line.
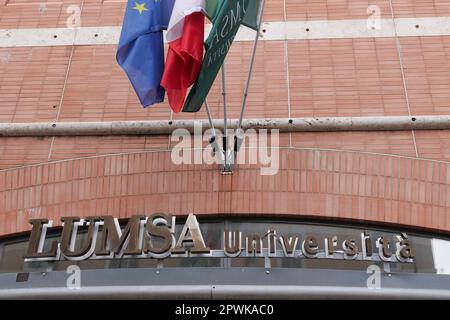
158, 226
383, 248
310, 247
254, 245
232, 247
366, 245
350, 248
114, 240
154, 237
330, 244
272, 235
191, 235
69, 235
405, 250
289, 245
37, 239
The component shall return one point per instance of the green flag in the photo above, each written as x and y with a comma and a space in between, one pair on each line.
251, 17
228, 16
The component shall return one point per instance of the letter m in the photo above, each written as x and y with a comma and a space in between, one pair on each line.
115, 240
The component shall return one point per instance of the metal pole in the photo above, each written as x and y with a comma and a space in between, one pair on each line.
239, 136
252, 62
209, 117
226, 167
213, 140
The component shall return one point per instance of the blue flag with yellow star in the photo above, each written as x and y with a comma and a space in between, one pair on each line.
141, 47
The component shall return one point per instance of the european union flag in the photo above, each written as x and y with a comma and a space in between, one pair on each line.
141, 47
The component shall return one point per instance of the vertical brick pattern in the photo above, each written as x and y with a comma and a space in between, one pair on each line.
346, 77
434, 144
359, 77
36, 14
370, 177
16, 152
339, 77
79, 147
427, 73
333, 10
395, 143
31, 83
329, 184
421, 8
97, 89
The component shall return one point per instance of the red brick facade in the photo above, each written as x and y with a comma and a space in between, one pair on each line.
397, 178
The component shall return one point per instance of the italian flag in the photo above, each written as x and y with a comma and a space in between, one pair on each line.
185, 35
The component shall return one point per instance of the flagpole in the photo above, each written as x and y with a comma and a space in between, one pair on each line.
208, 112
213, 140
226, 168
249, 78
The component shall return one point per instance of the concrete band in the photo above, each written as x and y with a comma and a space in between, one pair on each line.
159, 127
271, 31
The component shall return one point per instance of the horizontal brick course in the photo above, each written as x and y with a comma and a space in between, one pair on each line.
324, 184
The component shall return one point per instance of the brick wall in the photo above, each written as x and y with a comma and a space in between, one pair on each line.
296, 78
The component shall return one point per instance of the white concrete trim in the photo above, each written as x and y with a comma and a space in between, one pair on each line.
272, 31
159, 127
59, 36
439, 26
271, 292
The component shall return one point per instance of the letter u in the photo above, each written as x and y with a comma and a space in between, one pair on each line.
232, 247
